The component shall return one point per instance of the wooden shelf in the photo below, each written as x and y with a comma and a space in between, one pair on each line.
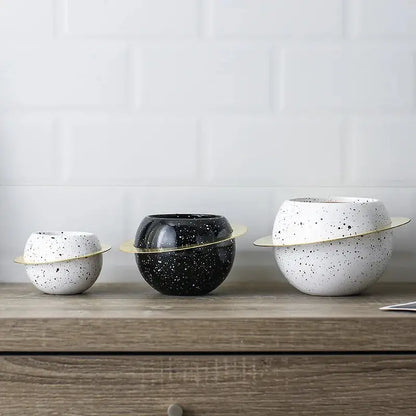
263, 317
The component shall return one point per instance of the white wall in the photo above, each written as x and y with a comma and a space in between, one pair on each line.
114, 109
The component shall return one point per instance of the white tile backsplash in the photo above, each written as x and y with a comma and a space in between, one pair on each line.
203, 77
350, 78
111, 110
385, 18
29, 151
383, 152
23, 18
132, 152
132, 17
239, 18
273, 153
61, 74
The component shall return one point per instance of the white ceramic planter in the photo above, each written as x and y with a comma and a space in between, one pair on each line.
63, 262
66, 277
59, 245
332, 246
337, 268
309, 220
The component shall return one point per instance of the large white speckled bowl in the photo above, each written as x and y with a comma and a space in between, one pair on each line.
310, 220
336, 268
63, 270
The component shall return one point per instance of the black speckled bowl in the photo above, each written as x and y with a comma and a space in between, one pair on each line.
185, 272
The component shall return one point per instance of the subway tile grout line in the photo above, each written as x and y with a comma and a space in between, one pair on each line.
273, 79
208, 186
202, 23
60, 10
347, 14
200, 152
130, 83
345, 148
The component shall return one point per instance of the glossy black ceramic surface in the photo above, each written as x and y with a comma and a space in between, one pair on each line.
194, 271
179, 230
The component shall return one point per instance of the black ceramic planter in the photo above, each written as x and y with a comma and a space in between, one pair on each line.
185, 271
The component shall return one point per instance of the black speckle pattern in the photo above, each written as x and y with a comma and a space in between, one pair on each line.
307, 220
194, 271
66, 277
59, 245
336, 268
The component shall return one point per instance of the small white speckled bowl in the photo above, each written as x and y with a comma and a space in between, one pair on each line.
63, 262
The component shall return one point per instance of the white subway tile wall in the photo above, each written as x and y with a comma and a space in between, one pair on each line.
114, 109
348, 77
132, 152
57, 75
132, 17
240, 18
26, 19
203, 78
384, 18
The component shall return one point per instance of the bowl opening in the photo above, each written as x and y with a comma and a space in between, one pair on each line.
65, 233
335, 200
186, 216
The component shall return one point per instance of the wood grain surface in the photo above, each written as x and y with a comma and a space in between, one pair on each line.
208, 385
235, 318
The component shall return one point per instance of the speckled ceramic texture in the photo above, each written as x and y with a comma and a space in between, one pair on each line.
179, 230
64, 277
337, 268
195, 271
307, 220
59, 245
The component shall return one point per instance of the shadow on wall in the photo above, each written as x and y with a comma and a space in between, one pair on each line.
401, 267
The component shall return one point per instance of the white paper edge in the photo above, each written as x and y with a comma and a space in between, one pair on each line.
399, 307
